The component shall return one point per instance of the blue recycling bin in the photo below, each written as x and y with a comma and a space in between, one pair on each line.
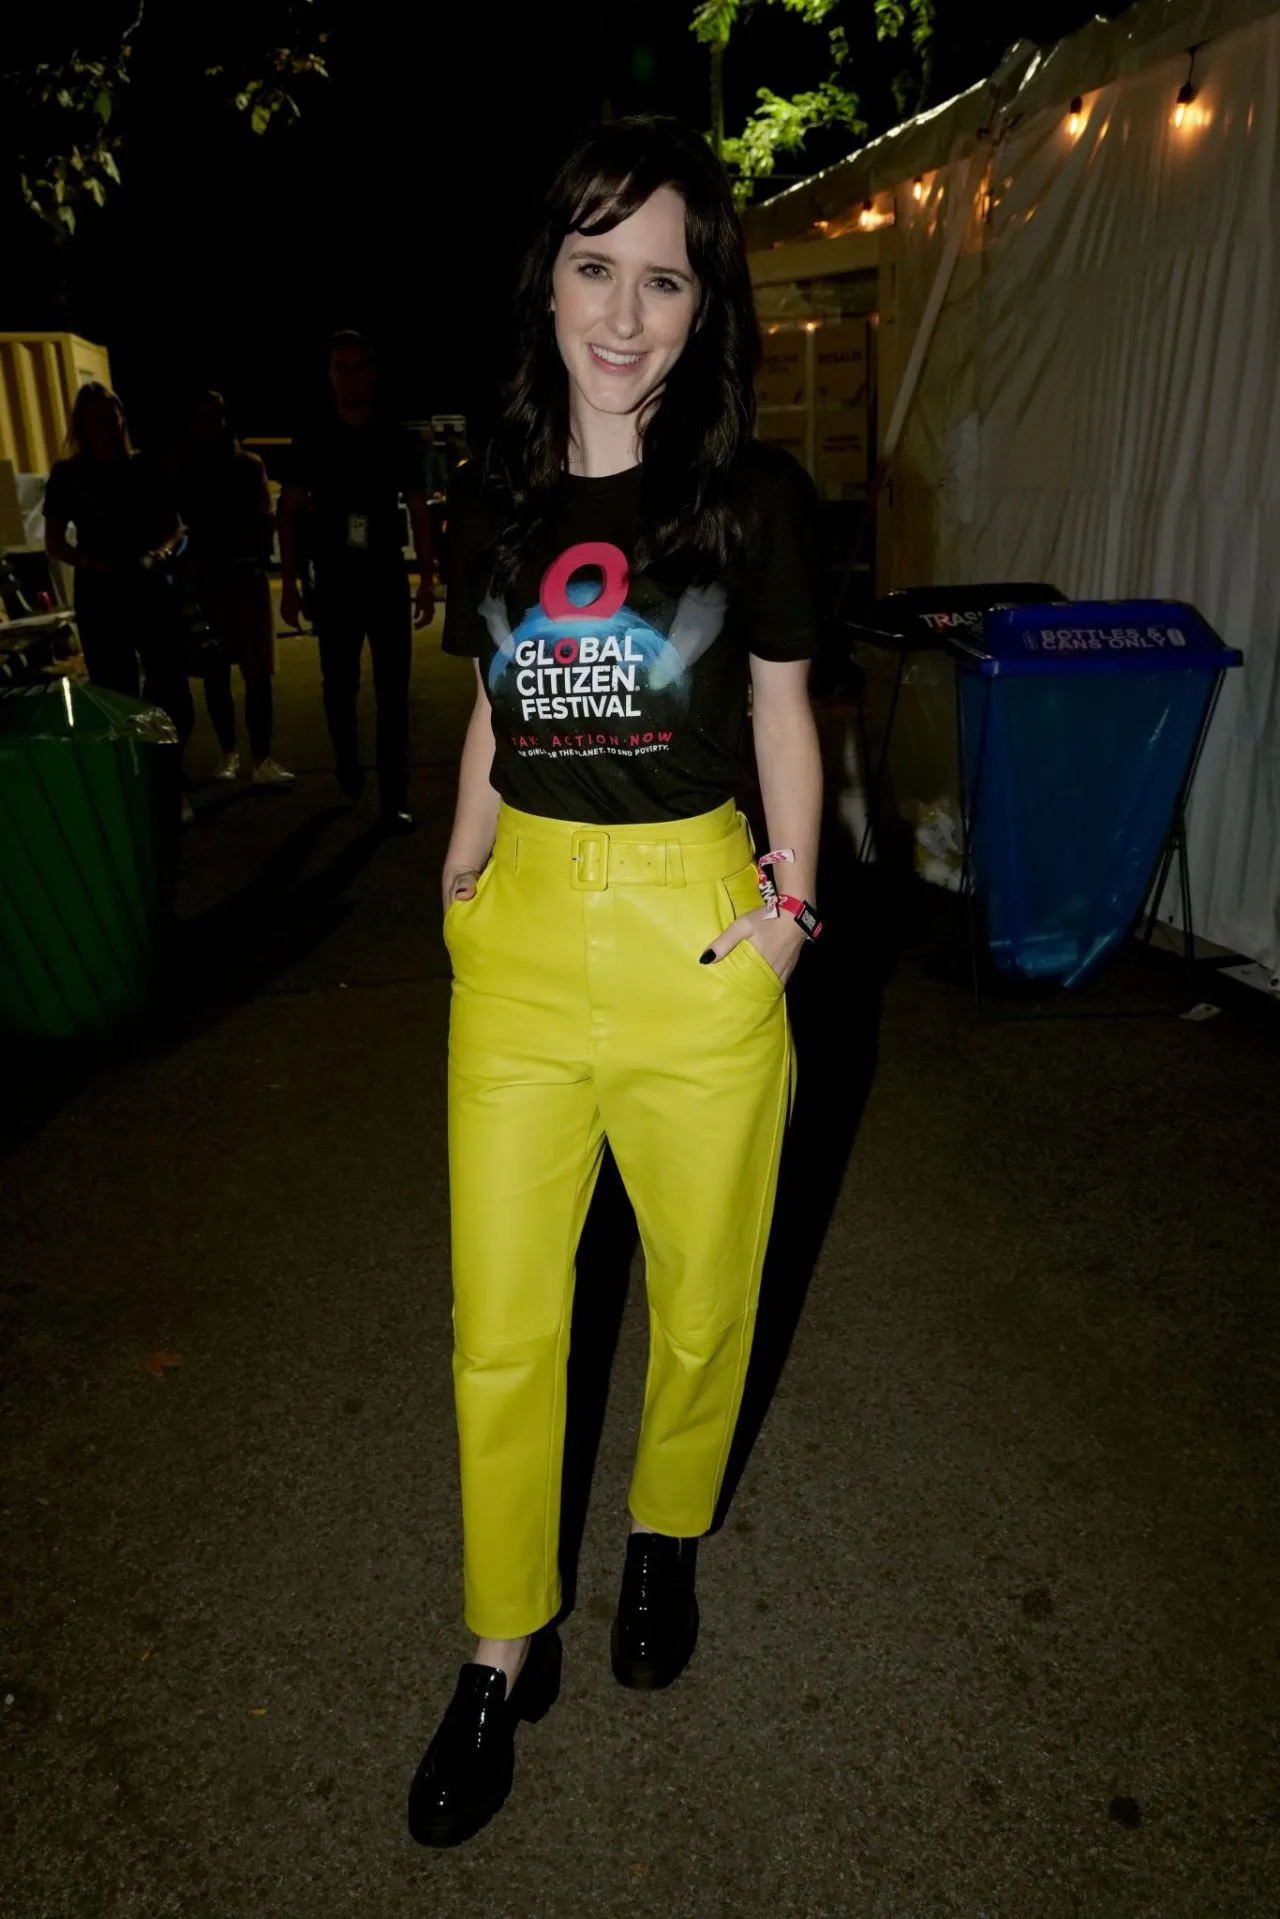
1080, 726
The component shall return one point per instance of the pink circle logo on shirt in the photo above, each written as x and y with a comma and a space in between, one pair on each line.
611, 561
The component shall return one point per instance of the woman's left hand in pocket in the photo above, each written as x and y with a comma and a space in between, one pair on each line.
460, 884
779, 940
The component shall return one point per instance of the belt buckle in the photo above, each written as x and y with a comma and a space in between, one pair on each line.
590, 857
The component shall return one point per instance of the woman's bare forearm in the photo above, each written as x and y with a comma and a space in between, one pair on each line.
789, 763
475, 819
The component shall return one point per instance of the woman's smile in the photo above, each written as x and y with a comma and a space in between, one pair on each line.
612, 361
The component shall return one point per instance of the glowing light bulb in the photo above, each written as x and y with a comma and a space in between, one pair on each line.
1186, 94
821, 225
1075, 116
867, 216
918, 189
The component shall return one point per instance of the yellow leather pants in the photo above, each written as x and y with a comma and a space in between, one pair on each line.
580, 1011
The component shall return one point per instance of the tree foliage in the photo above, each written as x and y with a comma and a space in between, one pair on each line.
65, 117
781, 124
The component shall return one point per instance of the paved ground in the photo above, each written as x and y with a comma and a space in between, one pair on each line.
991, 1622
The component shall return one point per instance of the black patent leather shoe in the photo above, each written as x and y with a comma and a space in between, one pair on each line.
656, 1629
466, 1773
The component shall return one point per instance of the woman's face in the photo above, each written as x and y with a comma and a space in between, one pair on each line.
103, 431
624, 305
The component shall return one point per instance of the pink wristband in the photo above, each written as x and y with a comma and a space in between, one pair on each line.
768, 890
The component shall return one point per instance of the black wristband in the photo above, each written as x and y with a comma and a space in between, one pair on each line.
804, 915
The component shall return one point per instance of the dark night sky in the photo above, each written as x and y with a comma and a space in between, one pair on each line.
400, 201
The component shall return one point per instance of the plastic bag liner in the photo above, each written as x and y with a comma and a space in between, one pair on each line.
909, 708
88, 798
1079, 726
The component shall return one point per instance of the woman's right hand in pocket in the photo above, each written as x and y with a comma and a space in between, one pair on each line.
460, 885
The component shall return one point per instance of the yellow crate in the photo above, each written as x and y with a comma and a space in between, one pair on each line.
40, 375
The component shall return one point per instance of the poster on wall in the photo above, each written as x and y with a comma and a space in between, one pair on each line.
840, 364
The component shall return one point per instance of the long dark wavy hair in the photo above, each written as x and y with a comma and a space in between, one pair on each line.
90, 394
703, 416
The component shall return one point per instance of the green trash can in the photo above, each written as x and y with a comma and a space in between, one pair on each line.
89, 798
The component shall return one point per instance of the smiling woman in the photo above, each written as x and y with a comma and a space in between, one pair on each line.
622, 321
626, 565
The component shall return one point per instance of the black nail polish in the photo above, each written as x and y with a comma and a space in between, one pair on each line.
705, 959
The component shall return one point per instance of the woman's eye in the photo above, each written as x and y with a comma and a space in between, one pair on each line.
665, 285
589, 269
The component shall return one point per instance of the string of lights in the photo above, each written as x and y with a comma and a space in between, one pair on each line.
882, 210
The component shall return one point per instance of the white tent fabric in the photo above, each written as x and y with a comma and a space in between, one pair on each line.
1118, 431
1101, 402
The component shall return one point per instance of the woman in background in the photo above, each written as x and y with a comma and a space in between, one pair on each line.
127, 531
222, 495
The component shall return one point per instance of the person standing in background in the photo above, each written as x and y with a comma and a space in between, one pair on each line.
222, 495
349, 480
127, 533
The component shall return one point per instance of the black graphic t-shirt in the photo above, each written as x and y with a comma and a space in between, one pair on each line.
621, 697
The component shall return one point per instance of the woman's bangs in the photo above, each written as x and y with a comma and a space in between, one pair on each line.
607, 199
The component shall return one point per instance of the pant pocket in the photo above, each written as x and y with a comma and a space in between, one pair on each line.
746, 966
459, 914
